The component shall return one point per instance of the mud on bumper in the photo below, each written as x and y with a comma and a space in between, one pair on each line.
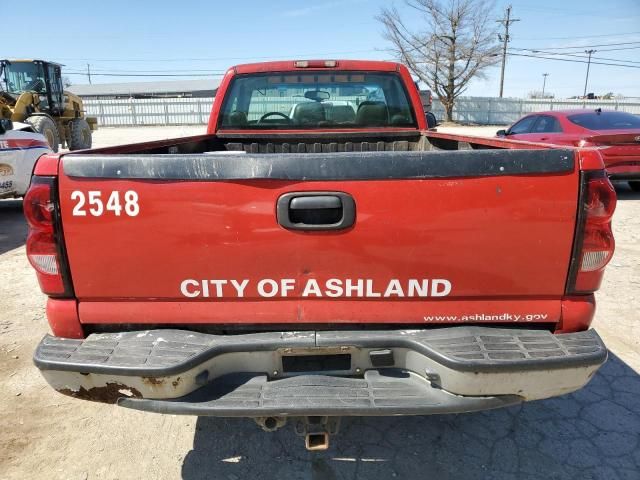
395, 372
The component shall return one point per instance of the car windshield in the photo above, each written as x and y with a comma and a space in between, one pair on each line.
319, 100
605, 120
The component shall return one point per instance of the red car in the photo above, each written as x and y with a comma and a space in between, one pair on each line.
617, 133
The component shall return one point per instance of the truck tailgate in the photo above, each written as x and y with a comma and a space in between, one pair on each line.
438, 237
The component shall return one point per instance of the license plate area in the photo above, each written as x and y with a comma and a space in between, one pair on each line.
316, 360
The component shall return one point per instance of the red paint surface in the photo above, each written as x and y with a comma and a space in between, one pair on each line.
63, 318
336, 311
47, 165
509, 238
577, 313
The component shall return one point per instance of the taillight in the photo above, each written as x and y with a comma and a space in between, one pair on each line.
594, 243
44, 250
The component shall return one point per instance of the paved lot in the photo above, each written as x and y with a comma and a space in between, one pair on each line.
592, 434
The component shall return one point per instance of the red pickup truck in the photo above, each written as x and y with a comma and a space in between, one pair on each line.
317, 254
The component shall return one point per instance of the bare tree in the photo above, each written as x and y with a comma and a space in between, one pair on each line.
66, 81
458, 43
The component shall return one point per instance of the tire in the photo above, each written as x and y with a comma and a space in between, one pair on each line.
431, 120
635, 185
47, 127
79, 134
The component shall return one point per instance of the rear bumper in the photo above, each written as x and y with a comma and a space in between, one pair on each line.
443, 370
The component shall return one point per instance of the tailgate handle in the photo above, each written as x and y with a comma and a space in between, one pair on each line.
315, 203
316, 210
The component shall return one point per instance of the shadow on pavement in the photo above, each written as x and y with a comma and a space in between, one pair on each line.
13, 227
624, 192
590, 434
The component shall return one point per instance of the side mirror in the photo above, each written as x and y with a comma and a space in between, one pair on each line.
5, 124
432, 122
501, 133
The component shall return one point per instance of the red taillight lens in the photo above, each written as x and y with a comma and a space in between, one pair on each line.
595, 246
38, 204
42, 248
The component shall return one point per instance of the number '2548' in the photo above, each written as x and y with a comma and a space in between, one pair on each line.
93, 202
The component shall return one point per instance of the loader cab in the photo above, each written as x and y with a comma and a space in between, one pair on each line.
37, 76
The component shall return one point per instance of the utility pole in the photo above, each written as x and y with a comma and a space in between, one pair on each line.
505, 22
89, 73
586, 80
544, 82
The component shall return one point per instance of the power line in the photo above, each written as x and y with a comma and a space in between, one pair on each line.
586, 36
570, 60
543, 52
617, 49
586, 46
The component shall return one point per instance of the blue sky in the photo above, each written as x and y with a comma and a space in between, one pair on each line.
205, 37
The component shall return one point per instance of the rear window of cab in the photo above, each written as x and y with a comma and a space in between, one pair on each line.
292, 100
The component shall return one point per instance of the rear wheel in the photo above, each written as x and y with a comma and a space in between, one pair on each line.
635, 185
79, 134
47, 127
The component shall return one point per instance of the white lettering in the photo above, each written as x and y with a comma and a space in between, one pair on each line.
440, 282
334, 288
418, 288
394, 288
358, 288
273, 288
312, 287
186, 292
205, 288
218, 284
370, 292
287, 285
240, 286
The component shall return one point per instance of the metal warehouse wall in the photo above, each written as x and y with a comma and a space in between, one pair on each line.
195, 111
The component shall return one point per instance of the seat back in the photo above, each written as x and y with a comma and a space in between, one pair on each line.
308, 113
342, 113
238, 118
372, 114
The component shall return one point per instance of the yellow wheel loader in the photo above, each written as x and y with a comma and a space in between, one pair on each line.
31, 92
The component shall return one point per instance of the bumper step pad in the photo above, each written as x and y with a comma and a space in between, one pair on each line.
440, 370
388, 392
168, 352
